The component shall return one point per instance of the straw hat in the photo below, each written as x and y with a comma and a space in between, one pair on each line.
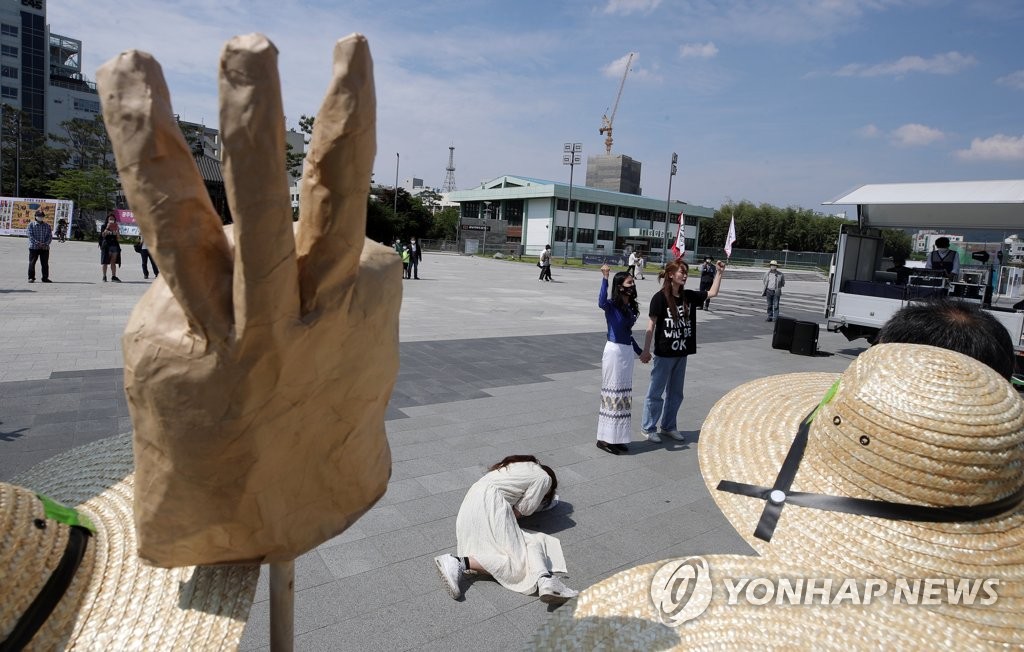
774, 262
633, 610
935, 432
111, 601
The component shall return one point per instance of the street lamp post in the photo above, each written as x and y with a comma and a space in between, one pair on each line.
668, 202
398, 158
571, 156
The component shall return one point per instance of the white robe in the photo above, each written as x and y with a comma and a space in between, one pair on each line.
487, 530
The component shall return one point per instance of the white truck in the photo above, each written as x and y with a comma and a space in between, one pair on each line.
863, 293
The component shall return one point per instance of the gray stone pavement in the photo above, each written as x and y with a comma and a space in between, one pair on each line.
493, 362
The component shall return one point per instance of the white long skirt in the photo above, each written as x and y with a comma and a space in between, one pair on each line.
614, 418
487, 530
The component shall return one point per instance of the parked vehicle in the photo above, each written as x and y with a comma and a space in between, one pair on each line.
863, 293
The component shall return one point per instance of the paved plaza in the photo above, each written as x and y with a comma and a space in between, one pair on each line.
493, 362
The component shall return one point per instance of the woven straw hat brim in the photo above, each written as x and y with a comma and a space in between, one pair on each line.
619, 614
126, 605
746, 438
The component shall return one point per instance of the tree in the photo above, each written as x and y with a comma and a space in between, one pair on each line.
91, 189
446, 224
88, 144
293, 160
29, 161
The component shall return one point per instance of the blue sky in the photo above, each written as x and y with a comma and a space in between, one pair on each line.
789, 102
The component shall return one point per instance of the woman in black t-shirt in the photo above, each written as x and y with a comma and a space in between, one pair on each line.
673, 329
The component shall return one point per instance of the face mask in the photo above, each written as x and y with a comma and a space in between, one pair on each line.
629, 292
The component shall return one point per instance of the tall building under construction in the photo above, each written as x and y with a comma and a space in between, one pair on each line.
619, 173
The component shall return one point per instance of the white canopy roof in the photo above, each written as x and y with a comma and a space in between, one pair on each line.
951, 204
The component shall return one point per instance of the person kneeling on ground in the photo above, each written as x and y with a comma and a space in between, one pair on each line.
490, 540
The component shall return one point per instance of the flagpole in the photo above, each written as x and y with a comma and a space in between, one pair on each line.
668, 203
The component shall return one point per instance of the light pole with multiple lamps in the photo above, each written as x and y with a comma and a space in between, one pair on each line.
668, 202
571, 156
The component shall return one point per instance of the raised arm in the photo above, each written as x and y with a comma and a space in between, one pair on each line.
713, 291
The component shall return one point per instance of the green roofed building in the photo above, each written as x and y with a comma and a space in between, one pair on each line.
510, 211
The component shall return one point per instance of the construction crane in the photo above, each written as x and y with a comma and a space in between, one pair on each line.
606, 121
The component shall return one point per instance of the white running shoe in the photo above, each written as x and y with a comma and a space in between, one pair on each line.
450, 570
674, 434
552, 591
651, 436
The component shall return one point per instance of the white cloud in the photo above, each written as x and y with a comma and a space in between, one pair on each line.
698, 50
626, 7
940, 64
916, 135
994, 148
1013, 80
869, 131
617, 67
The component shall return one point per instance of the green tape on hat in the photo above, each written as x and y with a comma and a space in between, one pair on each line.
63, 514
825, 400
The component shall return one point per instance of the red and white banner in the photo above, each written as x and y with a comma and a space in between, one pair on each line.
679, 246
731, 238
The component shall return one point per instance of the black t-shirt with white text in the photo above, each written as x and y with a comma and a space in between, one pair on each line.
675, 336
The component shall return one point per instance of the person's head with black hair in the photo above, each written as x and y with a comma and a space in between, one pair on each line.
624, 292
942, 243
955, 325
512, 459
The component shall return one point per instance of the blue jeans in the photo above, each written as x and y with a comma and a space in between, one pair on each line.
665, 393
773, 303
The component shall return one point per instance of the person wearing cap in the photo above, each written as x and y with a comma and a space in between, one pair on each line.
773, 281
77, 582
707, 277
491, 542
942, 258
40, 235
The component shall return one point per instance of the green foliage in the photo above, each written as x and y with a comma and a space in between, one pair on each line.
91, 189
898, 243
30, 162
293, 160
88, 144
770, 227
446, 224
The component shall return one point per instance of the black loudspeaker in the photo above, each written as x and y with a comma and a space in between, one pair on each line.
783, 335
805, 338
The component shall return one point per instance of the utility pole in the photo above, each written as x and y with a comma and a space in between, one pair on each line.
668, 202
398, 158
571, 156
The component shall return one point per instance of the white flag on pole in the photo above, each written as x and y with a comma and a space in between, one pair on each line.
679, 246
731, 238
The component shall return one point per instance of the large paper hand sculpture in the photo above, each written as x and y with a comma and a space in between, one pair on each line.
259, 367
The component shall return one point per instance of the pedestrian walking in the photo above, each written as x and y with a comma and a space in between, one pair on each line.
641, 263
620, 351
673, 329
147, 259
773, 281
545, 263
631, 264
110, 249
707, 277
40, 235
491, 542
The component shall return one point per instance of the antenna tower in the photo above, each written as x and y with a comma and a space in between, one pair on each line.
449, 176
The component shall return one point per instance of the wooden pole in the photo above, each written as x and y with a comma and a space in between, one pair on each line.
282, 606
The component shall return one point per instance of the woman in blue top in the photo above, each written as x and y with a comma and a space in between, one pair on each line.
620, 312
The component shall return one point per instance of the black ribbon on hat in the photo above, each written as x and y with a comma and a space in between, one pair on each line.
778, 495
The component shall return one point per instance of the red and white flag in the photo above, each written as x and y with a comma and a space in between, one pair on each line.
679, 246
731, 238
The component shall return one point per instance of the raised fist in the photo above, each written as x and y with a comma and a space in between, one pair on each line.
258, 367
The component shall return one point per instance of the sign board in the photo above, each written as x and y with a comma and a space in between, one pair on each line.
646, 233
17, 212
475, 227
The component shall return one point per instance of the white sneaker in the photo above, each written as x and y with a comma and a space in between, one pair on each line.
552, 591
450, 570
651, 436
674, 434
